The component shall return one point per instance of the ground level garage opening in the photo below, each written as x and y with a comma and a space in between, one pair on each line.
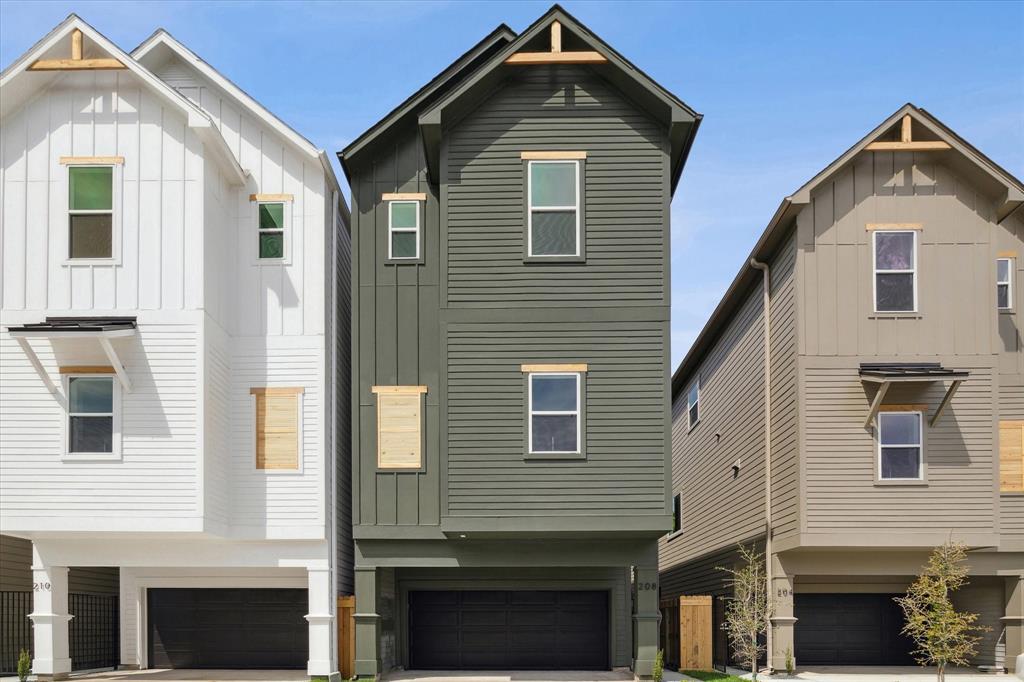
508, 630
850, 629
228, 628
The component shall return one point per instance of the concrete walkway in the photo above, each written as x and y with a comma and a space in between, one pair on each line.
184, 676
863, 674
507, 676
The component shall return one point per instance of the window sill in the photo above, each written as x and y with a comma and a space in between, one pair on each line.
1006, 311
272, 261
279, 472
896, 316
691, 427
554, 259
69, 262
1011, 493
673, 535
91, 457
899, 483
403, 261
403, 470
555, 455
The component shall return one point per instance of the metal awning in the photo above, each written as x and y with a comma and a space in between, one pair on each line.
103, 329
887, 373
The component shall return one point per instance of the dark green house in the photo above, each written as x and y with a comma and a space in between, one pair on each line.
511, 419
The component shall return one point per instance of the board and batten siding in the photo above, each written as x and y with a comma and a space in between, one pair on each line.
159, 201
155, 483
624, 468
1010, 240
625, 194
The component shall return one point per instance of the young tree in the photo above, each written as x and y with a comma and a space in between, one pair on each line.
748, 612
944, 636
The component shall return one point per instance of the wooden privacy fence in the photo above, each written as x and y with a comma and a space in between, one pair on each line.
695, 634
347, 636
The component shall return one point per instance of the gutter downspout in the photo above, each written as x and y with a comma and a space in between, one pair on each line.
766, 288
332, 463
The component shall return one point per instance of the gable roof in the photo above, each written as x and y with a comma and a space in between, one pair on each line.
961, 155
18, 83
681, 120
162, 38
468, 61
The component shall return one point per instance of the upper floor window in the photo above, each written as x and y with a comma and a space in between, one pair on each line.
278, 428
554, 220
1004, 283
91, 211
677, 513
554, 405
895, 259
693, 404
403, 230
93, 414
271, 229
900, 447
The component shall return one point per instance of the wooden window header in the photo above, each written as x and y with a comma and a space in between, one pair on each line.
96, 160
277, 390
398, 390
271, 197
870, 227
903, 408
1006, 254
86, 369
552, 156
403, 196
542, 367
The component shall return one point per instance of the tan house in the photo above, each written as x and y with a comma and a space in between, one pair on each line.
894, 412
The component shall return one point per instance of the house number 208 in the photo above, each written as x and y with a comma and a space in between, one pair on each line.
41, 587
647, 586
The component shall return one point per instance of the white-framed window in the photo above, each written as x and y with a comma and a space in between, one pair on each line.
91, 220
93, 428
1004, 283
554, 418
895, 263
900, 446
677, 512
553, 210
693, 404
273, 224
404, 230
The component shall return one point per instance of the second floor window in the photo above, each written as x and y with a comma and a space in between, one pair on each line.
900, 446
677, 513
895, 259
271, 228
554, 425
693, 404
1004, 283
90, 212
91, 412
403, 230
553, 220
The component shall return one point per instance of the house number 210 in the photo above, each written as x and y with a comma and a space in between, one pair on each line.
41, 587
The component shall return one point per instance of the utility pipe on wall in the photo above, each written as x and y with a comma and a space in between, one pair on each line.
767, 300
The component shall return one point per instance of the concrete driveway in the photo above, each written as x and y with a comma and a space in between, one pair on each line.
507, 676
866, 674
187, 676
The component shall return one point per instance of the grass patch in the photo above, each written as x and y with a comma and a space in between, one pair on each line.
713, 676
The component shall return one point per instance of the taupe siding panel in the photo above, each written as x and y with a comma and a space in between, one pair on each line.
785, 445
625, 424
15, 564
1011, 518
556, 108
841, 458
702, 575
984, 596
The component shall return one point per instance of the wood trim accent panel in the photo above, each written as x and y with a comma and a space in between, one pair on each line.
927, 146
271, 197
1011, 456
1006, 254
403, 196
277, 428
534, 58
893, 226
104, 160
400, 390
548, 367
76, 44
552, 156
399, 429
277, 390
86, 369
905, 129
903, 408
105, 64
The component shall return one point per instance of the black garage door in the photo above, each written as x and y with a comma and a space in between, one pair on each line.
850, 629
228, 628
512, 630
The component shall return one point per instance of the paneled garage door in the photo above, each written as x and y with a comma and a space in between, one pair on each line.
228, 628
513, 630
850, 629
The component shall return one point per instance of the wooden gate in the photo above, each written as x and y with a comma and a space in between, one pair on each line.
347, 636
695, 632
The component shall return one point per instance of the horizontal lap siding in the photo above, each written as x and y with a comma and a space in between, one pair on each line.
157, 476
624, 468
785, 445
625, 194
841, 458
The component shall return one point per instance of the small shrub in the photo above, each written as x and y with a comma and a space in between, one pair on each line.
790, 668
24, 665
659, 665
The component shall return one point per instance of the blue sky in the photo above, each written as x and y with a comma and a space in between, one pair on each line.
784, 87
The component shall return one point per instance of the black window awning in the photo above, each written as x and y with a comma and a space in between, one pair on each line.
887, 373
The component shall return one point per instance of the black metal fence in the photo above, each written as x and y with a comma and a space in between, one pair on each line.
94, 632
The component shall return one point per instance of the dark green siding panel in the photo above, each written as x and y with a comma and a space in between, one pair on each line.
556, 108
624, 468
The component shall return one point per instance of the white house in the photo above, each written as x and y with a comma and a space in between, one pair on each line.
173, 356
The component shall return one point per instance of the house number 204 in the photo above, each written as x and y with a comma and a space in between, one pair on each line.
41, 587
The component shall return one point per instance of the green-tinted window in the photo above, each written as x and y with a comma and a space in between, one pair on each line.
553, 184
554, 208
92, 188
404, 229
271, 230
403, 214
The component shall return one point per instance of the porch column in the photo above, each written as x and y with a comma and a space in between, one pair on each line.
646, 620
367, 623
783, 620
50, 619
322, 650
1013, 624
